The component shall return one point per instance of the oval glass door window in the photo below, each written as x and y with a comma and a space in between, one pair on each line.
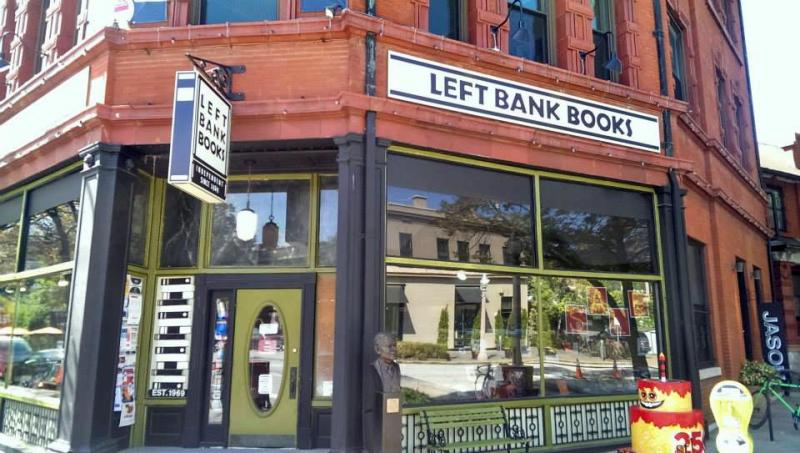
267, 357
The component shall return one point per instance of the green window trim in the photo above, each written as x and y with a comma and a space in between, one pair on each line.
538, 270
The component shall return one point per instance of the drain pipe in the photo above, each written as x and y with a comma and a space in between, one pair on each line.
681, 246
678, 221
658, 33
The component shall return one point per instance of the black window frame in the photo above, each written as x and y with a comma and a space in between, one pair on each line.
455, 25
741, 125
777, 214
677, 40
463, 257
696, 251
443, 249
722, 106
603, 33
542, 16
484, 253
406, 244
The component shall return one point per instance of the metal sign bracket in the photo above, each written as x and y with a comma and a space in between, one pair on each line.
221, 75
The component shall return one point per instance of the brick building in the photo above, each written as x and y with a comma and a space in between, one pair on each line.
780, 173
382, 153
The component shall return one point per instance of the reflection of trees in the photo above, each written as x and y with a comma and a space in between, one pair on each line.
51, 235
482, 219
579, 240
557, 293
8, 247
44, 304
181, 225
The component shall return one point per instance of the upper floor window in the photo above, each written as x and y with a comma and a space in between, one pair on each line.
448, 18
730, 18
310, 6
603, 37
741, 123
776, 210
528, 35
678, 59
40, 39
700, 307
221, 11
722, 107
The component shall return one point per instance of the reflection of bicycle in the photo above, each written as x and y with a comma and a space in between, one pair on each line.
772, 388
488, 387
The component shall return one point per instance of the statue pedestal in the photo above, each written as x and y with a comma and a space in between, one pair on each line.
388, 424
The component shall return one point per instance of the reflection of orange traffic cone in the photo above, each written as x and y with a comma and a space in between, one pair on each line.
578, 372
615, 373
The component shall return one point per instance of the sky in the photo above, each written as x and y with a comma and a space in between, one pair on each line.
772, 32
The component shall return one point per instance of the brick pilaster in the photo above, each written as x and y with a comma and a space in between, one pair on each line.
627, 35
574, 34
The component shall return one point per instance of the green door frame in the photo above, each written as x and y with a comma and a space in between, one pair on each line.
198, 375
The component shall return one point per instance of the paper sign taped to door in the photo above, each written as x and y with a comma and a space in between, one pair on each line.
268, 328
264, 384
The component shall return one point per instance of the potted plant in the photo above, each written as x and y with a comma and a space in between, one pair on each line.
754, 373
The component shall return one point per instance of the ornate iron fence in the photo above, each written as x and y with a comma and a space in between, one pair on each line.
588, 422
569, 423
34, 425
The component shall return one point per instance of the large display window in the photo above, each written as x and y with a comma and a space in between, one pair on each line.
580, 319
38, 229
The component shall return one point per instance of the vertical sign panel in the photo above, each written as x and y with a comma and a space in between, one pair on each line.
200, 143
773, 332
172, 327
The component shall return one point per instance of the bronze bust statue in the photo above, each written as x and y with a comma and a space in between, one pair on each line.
386, 368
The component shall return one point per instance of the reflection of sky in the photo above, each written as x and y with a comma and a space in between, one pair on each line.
401, 195
260, 203
328, 212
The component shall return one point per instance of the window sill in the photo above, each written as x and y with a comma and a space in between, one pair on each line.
708, 373
29, 396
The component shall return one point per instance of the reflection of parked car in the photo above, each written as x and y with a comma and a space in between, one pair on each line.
41, 370
22, 350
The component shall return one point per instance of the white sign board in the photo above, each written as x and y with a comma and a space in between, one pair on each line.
200, 145
447, 87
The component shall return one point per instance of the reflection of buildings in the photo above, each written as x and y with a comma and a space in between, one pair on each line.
414, 297
418, 230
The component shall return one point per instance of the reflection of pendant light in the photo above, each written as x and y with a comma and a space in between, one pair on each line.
246, 219
63, 281
269, 233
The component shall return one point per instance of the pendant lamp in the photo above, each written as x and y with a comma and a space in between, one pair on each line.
270, 231
246, 219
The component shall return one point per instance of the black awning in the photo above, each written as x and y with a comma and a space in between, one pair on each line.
396, 294
468, 295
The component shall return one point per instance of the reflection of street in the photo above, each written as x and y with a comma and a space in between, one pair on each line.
456, 379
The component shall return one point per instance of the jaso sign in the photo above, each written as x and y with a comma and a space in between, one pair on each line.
773, 331
200, 145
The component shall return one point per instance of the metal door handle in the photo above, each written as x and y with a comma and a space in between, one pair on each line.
293, 383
